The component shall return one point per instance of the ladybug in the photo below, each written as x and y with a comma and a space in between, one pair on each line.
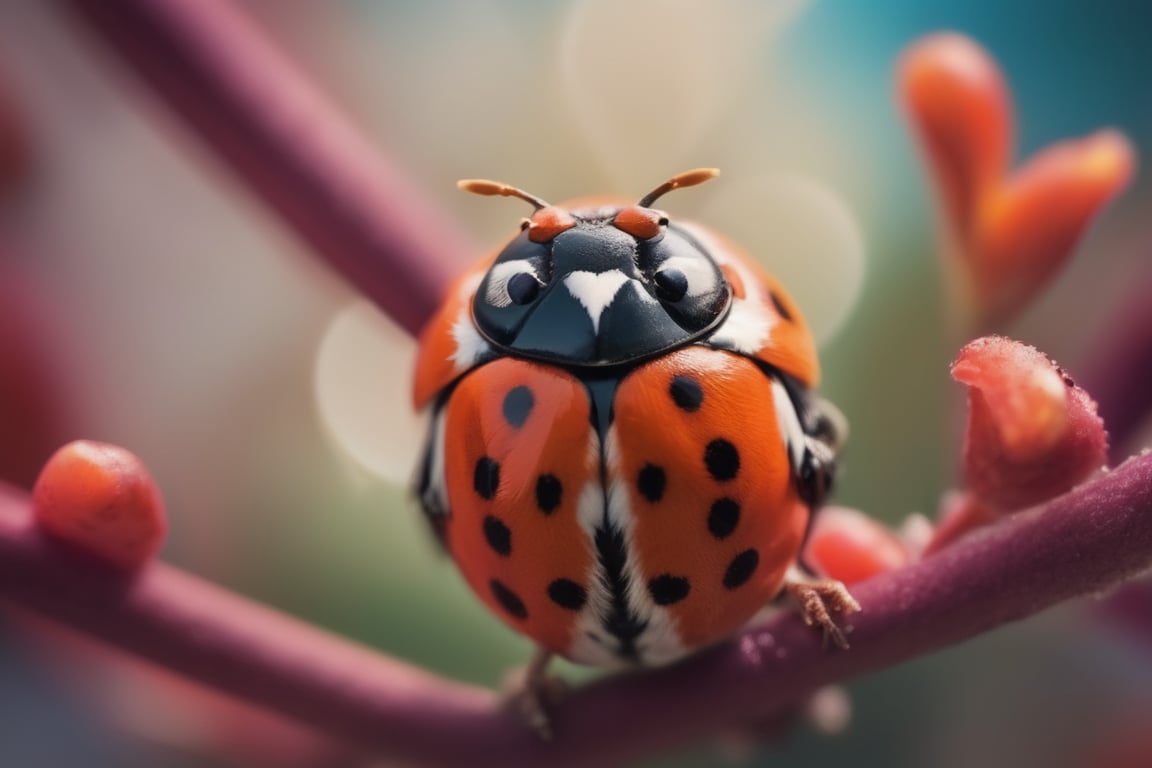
625, 450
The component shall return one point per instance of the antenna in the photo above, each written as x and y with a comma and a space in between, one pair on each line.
687, 179
486, 187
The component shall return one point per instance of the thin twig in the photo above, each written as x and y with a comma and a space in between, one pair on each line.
1118, 372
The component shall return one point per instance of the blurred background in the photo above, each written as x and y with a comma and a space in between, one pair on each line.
173, 315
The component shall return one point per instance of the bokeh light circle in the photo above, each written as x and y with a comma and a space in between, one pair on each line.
362, 379
800, 230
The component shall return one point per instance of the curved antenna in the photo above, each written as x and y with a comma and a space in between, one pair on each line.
687, 179
486, 187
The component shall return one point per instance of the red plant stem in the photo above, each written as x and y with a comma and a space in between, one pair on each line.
289, 145
225, 641
1088, 540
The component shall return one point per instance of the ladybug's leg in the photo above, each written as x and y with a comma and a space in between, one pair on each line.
814, 431
430, 486
825, 430
530, 690
818, 599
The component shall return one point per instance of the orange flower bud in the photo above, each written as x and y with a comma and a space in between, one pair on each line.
850, 546
961, 109
1029, 225
1032, 434
101, 498
1010, 233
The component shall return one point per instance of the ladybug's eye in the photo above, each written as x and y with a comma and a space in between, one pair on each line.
684, 276
671, 284
512, 282
522, 288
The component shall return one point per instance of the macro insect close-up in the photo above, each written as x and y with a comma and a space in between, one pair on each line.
312, 453
624, 452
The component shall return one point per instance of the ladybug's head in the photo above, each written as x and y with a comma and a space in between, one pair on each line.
601, 286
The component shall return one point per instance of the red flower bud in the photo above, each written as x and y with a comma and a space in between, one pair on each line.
849, 546
101, 498
961, 110
1029, 225
1032, 434
1010, 234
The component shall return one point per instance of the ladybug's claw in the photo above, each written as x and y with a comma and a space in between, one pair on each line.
530, 691
819, 599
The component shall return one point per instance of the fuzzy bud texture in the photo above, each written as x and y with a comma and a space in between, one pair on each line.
1032, 434
102, 499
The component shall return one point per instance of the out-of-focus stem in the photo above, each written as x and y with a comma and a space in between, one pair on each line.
1086, 541
225, 641
289, 145
1131, 609
38, 407
1118, 372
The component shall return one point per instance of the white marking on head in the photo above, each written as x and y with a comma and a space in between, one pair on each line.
699, 273
753, 286
642, 294
496, 293
749, 323
595, 291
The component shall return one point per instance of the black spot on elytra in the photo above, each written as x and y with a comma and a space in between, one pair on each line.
686, 393
741, 568
509, 600
498, 536
486, 478
549, 492
723, 518
518, 405
779, 305
722, 459
567, 594
667, 589
650, 482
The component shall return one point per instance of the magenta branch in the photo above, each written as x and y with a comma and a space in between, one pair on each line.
1082, 543
289, 147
